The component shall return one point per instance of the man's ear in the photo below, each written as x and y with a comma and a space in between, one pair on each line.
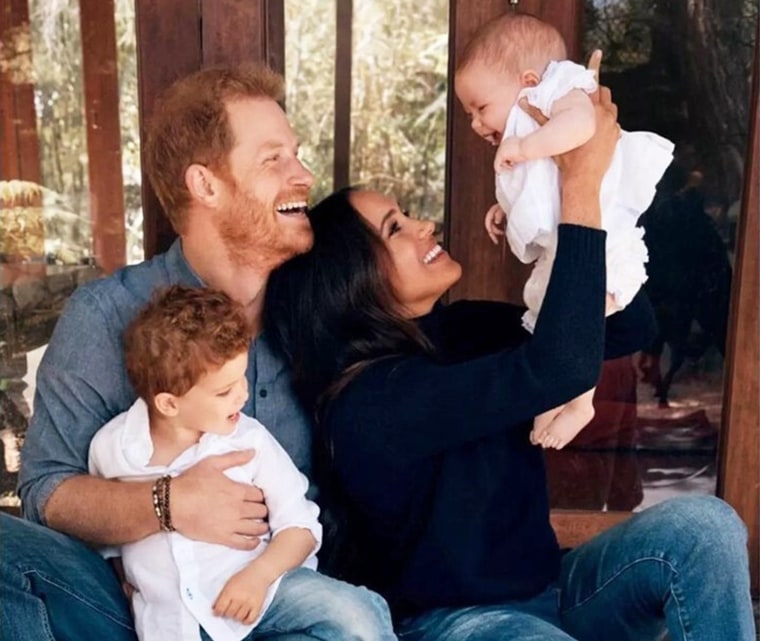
166, 404
529, 78
202, 183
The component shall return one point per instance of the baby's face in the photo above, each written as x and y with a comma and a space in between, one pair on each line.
487, 96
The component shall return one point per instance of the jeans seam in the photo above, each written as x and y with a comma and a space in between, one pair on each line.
613, 577
683, 623
64, 588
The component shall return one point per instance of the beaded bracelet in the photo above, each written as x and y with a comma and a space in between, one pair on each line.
160, 492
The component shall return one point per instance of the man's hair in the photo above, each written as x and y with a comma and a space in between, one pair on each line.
190, 125
514, 42
181, 334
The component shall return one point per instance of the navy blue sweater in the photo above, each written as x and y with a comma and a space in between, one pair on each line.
448, 497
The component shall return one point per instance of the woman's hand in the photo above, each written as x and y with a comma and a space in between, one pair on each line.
582, 168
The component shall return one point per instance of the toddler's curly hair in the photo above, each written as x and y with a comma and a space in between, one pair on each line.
182, 333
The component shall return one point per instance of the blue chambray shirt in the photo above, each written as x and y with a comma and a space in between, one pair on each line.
82, 380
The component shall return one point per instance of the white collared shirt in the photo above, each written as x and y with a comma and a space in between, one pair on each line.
178, 579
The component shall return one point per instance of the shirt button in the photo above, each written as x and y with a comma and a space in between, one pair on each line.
263, 393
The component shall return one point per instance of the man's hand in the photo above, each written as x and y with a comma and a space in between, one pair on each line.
242, 596
208, 506
508, 154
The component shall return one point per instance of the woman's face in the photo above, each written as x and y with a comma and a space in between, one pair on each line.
421, 270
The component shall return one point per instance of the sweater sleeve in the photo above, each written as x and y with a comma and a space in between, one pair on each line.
630, 329
413, 407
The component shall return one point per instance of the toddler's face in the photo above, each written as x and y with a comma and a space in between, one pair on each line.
487, 96
214, 403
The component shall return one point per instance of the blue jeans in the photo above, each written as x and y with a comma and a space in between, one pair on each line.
680, 566
319, 607
54, 588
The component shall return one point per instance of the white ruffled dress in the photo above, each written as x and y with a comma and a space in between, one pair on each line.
529, 195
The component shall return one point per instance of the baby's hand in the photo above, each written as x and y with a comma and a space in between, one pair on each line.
494, 222
508, 154
242, 597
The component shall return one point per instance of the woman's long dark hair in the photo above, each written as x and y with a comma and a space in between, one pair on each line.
332, 310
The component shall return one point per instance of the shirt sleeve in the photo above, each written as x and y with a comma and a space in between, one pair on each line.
284, 489
559, 79
77, 391
415, 407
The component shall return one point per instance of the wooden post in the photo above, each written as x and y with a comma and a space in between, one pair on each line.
344, 15
19, 143
101, 97
739, 458
168, 47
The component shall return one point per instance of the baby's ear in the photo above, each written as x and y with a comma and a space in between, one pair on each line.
529, 78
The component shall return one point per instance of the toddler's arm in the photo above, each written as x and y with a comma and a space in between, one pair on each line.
242, 596
572, 122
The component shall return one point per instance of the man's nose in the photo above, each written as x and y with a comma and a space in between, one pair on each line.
302, 176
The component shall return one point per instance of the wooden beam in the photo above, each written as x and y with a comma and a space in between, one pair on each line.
574, 527
739, 460
101, 98
19, 142
168, 47
344, 16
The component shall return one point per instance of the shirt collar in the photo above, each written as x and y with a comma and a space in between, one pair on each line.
137, 445
179, 269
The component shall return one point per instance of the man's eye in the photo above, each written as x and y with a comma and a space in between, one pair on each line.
272, 158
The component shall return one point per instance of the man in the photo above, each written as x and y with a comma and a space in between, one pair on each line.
223, 161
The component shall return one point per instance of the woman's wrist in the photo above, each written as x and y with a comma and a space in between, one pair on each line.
580, 203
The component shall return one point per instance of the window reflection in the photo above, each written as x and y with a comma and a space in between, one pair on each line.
47, 240
658, 413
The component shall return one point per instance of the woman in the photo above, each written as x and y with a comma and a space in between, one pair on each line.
425, 412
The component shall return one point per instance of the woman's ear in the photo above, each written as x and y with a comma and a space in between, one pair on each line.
166, 404
529, 78
202, 184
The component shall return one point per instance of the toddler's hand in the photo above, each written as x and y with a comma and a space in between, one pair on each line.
494, 223
508, 154
242, 597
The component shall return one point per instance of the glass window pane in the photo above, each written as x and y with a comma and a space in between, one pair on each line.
46, 242
398, 102
658, 416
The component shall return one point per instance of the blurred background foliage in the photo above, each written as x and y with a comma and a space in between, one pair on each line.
686, 60
398, 102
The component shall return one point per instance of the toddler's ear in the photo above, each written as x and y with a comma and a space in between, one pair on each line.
529, 78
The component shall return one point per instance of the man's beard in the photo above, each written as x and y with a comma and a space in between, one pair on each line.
252, 237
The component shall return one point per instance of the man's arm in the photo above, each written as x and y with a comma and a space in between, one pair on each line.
81, 385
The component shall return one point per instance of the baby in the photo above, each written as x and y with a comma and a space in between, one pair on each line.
187, 357
516, 56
